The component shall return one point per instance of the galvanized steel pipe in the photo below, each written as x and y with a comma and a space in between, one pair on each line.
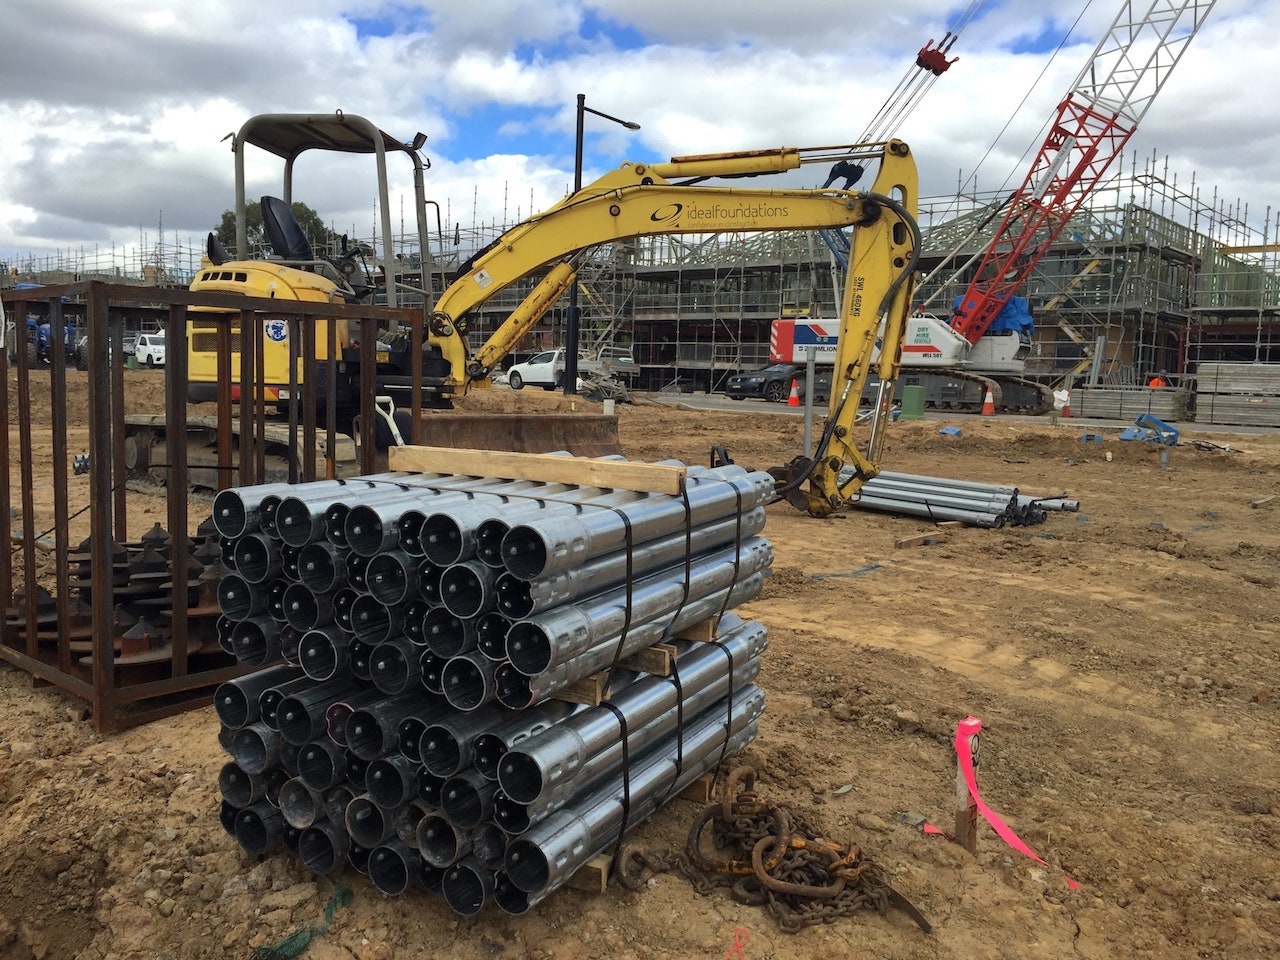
553, 850
560, 757
544, 547
518, 598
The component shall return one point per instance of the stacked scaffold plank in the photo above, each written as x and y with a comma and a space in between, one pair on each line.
434, 646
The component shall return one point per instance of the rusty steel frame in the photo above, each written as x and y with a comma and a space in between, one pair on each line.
116, 698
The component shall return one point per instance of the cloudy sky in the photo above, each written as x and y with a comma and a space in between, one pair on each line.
112, 114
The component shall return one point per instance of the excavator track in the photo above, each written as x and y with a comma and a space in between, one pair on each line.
1042, 393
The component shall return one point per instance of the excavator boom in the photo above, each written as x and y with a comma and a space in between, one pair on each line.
639, 200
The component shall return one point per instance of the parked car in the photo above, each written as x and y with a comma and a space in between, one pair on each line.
546, 370
150, 349
774, 383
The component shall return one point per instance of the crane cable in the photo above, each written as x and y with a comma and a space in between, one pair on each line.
901, 103
917, 81
999, 208
1035, 144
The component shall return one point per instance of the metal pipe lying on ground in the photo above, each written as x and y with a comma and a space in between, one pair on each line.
548, 639
516, 818
301, 805
540, 548
467, 886
237, 701
1063, 504
516, 690
561, 757
519, 598
970, 517
552, 851
392, 865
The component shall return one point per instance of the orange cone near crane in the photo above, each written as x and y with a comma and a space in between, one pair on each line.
988, 404
794, 399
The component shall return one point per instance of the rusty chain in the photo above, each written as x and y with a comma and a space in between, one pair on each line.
767, 855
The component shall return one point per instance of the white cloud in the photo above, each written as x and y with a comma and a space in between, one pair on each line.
125, 132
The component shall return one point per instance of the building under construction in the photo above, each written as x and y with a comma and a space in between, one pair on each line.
1149, 276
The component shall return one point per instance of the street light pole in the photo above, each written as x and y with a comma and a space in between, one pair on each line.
571, 324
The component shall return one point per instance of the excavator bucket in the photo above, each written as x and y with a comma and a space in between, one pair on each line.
583, 435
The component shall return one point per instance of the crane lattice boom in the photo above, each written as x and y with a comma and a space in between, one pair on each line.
1092, 125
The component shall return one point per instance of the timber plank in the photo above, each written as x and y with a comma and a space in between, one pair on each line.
592, 876
542, 467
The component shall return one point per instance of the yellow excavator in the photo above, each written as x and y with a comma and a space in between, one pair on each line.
637, 199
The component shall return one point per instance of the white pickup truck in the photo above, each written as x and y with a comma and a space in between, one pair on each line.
546, 369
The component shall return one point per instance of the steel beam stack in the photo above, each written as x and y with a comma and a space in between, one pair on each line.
416, 636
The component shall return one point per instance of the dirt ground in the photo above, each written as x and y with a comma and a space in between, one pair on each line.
1123, 661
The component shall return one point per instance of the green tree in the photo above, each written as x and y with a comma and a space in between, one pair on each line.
321, 237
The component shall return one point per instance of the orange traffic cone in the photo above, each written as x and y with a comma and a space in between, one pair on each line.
989, 404
1066, 407
794, 399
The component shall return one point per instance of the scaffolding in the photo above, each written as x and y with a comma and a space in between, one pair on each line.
1150, 275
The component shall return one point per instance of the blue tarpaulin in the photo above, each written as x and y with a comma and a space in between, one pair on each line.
1015, 316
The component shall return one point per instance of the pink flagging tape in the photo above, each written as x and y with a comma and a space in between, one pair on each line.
970, 727
741, 937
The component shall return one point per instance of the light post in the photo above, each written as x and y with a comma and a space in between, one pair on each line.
571, 325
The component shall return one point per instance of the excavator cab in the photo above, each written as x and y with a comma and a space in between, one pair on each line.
290, 244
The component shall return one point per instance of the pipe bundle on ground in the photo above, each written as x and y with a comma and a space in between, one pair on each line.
941, 498
415, 633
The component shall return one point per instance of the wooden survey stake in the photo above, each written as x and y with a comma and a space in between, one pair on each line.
966, 805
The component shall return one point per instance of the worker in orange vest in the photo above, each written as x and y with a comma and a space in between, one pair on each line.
1158, 381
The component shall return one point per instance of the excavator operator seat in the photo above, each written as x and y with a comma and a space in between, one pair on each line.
216, 252
283, 232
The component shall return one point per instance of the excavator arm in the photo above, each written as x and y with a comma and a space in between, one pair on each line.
639, 200
642, 199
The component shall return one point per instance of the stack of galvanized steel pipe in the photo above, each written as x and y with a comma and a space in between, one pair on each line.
418, 635
941, 498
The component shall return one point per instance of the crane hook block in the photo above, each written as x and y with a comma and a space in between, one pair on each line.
932, 58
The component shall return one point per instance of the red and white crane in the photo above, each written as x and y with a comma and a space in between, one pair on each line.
1094, 121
